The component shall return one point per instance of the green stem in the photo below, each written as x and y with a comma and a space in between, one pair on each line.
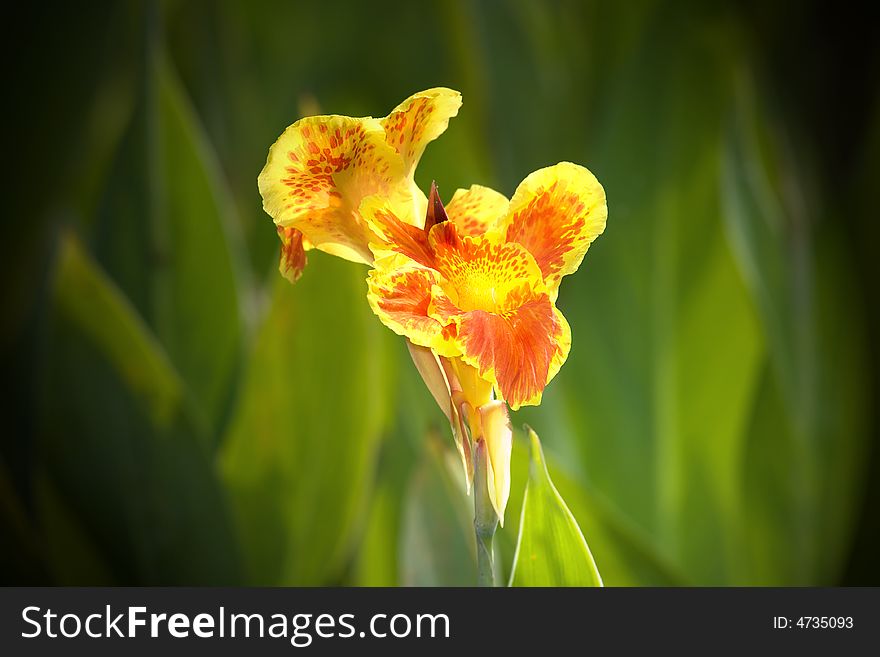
485, 519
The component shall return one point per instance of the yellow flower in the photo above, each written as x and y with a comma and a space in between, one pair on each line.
477, 288
472, 286
322, 167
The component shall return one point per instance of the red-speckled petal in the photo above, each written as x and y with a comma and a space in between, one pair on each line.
476, 210
392, 234
481, 272
556, 213
400, 293
418, 120
518, 350
293, 253
320, 170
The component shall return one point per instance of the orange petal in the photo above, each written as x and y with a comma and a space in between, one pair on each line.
556, 213
319, 171
293, 254
476, 210
392, 234
418, 120
400, 293
516, 349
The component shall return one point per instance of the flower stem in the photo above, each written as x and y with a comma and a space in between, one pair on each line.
485, 519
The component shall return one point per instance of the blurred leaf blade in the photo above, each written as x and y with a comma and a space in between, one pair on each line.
120, 445
196, 285
436, 541
792, 260
304, 436
551, 549
101, 312
708, 428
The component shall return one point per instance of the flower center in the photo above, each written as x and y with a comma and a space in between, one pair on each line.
481, 273
477, 289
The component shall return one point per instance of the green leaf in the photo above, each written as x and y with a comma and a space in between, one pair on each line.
69, 551
89, 302
376, 560
551, 550
712, 402
382, 558
627, 555
196, 296
168, 234
809, 410
303, 440
437, 539
128, 484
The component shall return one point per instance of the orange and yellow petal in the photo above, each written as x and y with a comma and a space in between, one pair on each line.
318, 172
391, 234
556, 213
419, 119
517, 350
563, 345
400, 293
482, 272
293, 253
476, 210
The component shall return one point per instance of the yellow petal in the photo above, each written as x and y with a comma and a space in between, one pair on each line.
562, 341
399, 293
418, 120
476, 389
476, 210
556, 213
499, 442
319, 171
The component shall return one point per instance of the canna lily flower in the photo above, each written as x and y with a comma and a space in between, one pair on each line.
472, 286
322, 167
475, 291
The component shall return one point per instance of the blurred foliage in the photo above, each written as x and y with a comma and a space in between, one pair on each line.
176, 413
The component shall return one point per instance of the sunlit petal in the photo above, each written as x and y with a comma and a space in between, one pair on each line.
392, 234
556, 213
400, 293
516, 349
418, 120
476, 210
482, 271
318, 172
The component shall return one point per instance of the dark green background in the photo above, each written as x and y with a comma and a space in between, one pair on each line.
175, 413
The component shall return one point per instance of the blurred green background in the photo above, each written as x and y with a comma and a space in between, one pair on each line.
177, 413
